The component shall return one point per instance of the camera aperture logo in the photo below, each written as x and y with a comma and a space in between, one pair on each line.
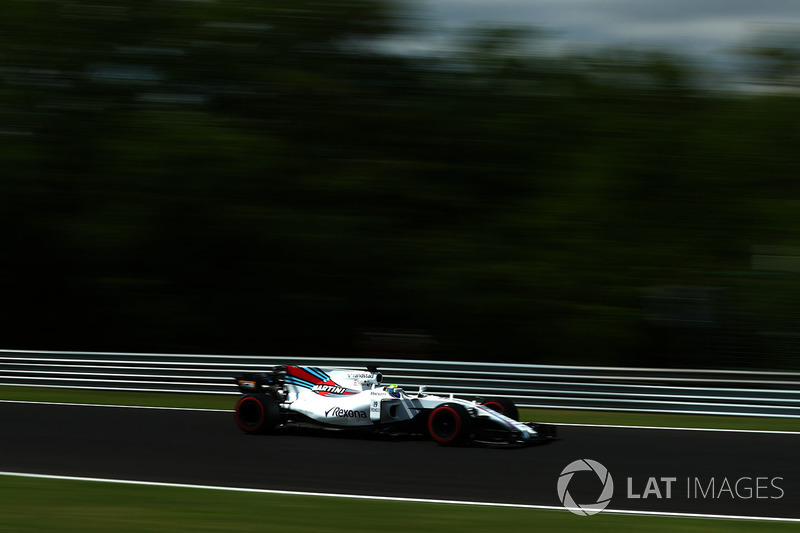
585, 509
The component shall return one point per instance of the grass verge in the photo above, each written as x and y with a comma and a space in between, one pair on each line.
212, 401
28, 504
102, 397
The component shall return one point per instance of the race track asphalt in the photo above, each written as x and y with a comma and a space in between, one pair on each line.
752, 474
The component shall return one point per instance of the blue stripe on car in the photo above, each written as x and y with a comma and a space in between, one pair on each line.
299, 382
506, 423
317, 372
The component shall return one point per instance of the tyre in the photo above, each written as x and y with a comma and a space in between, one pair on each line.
501, 405
449, 424
257, 413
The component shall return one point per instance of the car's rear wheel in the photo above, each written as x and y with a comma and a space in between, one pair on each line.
449, 424
501, 405
257, 413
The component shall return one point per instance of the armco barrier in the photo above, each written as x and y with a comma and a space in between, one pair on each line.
725, 392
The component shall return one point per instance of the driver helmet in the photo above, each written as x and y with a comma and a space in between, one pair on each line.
394, 390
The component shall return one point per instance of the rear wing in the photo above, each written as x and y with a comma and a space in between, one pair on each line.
262, 382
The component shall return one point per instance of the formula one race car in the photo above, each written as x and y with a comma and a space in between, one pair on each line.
352, 399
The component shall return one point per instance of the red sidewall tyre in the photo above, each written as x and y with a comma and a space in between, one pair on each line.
495, 406
449, 424
257, 413
503, 406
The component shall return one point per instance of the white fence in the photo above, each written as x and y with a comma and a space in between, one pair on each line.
724, 392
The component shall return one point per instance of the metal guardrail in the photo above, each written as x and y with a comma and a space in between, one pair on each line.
723, 392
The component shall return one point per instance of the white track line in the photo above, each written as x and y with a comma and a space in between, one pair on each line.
392, 498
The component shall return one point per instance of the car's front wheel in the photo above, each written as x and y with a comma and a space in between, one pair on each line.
449, 424
257, 413
502, 405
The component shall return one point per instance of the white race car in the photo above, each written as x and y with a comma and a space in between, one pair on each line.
353, 399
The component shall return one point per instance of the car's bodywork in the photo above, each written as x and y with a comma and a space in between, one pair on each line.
358, 399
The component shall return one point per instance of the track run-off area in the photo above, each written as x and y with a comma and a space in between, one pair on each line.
686, 472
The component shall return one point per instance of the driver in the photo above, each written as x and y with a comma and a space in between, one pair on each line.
394, 391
